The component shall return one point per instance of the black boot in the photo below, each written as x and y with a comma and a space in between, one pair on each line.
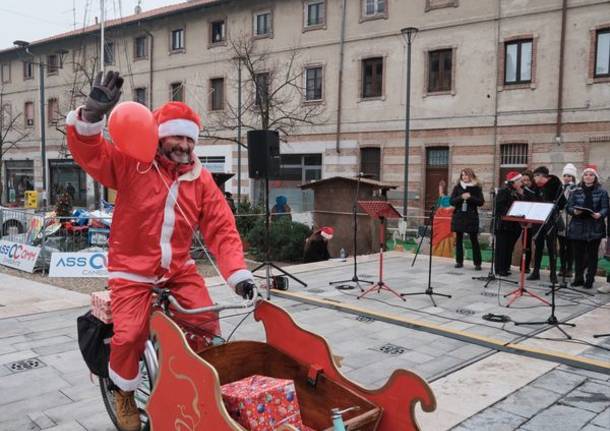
535, 275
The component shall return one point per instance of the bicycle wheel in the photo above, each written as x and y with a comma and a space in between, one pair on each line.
142, 393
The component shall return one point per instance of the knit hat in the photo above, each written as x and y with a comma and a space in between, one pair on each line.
590, 167
280, 201
327, 232
570, 169
513, 176
541, 170
177, 119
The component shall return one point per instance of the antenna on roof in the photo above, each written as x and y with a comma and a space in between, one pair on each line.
138, 8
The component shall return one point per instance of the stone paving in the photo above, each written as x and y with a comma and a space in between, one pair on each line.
53, 390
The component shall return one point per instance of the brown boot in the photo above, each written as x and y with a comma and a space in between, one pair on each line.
127, 412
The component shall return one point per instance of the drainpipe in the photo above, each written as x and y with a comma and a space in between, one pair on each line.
150, 68
564, 12
340, 87
495, 92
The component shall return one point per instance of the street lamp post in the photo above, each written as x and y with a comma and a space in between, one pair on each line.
408, 34
43, 139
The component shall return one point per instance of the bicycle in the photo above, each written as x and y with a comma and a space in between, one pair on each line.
149, 365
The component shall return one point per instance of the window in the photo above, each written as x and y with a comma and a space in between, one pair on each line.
140, 47
518, 62
218, 31
315, 13
262, 24
6, 115
108, 53
139, 95
217, 98
300, 167
262, 88
313, 83
370, 162
19, 178
512, 157
213, 163
440, 70
52, 111
67, 176
28, 70
177, 92
177, 42
52, 64
28, 113
5, 72
602, 53
373, 7
372, 77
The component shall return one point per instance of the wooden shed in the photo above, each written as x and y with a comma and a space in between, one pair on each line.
333, 204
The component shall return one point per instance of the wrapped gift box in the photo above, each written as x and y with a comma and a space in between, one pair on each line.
261, 403
100, 306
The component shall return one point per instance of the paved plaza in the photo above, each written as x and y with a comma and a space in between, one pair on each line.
45, 384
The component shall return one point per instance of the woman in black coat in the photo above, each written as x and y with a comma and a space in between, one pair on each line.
588, 206
507, 232
466, 197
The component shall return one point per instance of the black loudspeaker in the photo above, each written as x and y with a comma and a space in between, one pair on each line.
263, 154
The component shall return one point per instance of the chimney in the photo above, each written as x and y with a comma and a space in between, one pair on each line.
96, 21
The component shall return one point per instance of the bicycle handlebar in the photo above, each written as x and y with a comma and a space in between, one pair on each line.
209, 308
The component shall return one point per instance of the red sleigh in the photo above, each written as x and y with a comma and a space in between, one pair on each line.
186, 395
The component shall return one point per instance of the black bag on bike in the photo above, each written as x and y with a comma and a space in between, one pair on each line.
94, 342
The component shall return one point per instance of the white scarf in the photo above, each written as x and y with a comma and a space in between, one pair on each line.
465, 185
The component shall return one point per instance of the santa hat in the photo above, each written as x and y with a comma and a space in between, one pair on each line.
327, 232
570, 169
590, 167
513, 176
177, 119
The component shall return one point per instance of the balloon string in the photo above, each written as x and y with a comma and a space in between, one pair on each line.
203, 247
143, 172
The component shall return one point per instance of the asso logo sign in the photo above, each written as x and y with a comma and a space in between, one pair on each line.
79, 265
19, 256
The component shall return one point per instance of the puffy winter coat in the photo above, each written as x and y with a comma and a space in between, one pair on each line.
158, 205
584, 227
466, 221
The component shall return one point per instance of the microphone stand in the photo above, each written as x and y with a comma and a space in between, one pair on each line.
491, 276
344, 284
429, 291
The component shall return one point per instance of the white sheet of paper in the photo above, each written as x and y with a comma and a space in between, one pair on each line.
531, 210
519, 209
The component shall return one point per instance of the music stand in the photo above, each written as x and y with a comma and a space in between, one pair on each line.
380, 210
343, 284
429, 291
526, 214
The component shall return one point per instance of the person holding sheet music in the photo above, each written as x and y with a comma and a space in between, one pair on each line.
588, 207
566, 255
548, 189
507, 232
466, 197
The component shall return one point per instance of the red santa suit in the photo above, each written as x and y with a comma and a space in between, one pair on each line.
157, 207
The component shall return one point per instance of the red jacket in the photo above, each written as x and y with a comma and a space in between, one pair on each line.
151, 237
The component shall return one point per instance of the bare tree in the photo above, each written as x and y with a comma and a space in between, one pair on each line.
12, 130
273, 94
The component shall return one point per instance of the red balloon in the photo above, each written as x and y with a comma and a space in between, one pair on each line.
134, 131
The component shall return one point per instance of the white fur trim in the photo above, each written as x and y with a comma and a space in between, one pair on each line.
167, 229
239, 276
82, 127
179, 127
325, 235
517, 178
125, 385
593, 171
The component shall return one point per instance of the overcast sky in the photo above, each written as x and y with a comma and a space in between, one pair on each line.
31, 20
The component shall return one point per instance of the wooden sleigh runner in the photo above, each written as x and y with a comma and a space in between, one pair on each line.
187, 395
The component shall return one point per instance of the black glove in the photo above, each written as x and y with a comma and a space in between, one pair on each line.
245, 289
102, 97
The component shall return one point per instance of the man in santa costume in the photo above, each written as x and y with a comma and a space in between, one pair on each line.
158, 205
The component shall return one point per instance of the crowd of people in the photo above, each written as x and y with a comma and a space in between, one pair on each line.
572, 233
